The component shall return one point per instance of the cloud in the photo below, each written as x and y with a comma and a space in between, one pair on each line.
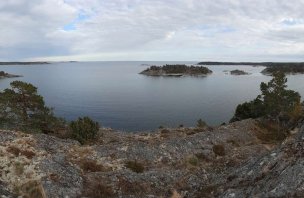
151, 30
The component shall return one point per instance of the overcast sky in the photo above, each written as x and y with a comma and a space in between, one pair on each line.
195, 30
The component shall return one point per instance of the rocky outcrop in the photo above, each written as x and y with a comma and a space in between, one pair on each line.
225, 161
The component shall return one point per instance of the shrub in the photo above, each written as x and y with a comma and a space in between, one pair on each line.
135, 166
193, 160
201, 123
84, 129
219, 149
89, 165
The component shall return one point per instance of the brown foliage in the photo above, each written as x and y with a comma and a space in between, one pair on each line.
135, 166
219, 150
94, 188
89, 165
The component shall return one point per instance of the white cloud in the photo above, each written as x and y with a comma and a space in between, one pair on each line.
151, 29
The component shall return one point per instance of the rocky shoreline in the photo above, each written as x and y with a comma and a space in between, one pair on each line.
224, 161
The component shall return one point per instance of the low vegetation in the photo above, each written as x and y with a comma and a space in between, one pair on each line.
219, 149
135, 166
201, 124
84, 129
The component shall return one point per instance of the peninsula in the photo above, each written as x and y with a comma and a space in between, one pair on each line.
176, 70
7, 75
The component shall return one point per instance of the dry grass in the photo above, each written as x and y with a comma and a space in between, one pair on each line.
95, 188
132, 188
175, 194
89, 165
32, 189
270, 132
17, 151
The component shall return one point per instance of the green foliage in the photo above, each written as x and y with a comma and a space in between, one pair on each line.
84, 129
278, 100
201, 124
22, 108
252, 109
279, 109
275, 102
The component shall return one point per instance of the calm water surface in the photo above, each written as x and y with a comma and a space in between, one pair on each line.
117, 96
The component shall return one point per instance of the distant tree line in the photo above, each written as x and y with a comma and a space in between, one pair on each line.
287, 68
272, 67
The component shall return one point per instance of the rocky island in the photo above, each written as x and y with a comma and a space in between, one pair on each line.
238, 72
176, 70
7, 75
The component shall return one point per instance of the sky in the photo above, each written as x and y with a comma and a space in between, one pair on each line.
158, 30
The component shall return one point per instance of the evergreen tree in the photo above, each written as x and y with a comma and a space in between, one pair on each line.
22, 108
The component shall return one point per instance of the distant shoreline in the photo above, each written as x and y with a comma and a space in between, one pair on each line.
266, 64
23, 63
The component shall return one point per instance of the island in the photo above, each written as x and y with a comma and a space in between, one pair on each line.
176, 70
238, 72
7, 75
287, 68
